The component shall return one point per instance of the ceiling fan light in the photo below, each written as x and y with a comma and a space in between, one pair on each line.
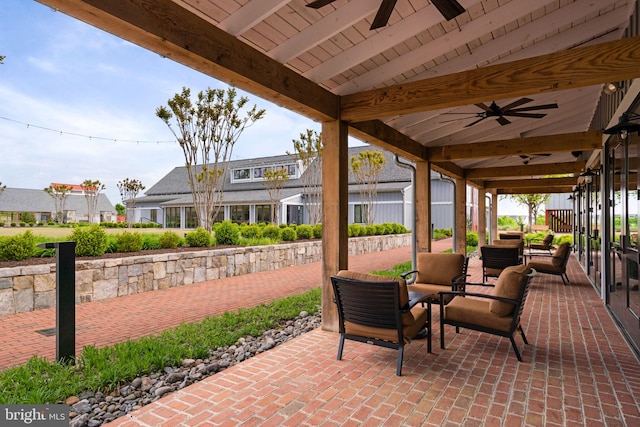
450, 9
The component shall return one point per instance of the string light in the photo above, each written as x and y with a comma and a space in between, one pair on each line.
90, 137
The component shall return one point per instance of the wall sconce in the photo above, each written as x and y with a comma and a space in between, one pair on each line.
589, 174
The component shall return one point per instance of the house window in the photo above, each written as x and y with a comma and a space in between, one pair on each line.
360, 214
263, 213
153, 215
173, 218
239, 213
241, 174
190, 217
219, 216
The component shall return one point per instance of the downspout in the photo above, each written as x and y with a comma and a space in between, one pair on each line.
453, 229
414, 263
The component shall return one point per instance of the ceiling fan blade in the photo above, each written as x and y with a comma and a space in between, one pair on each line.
502, 121
483, 106
448, 8
383, 15
533, 107
477, 121
517, 103
528, 115
317, 4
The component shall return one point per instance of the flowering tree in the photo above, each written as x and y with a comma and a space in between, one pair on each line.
207, 130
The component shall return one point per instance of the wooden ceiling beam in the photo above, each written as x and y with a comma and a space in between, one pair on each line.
168, 29
535, 190
528, 171
378, 133
580, 141
531, 183
583, 66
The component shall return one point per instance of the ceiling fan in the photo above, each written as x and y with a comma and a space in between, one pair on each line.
510, 110
448, 8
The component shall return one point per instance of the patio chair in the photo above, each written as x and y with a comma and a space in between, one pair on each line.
496, 258
553, 264
437, 272
377, 310
497, 313
545, 245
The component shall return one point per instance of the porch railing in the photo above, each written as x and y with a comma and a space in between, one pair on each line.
559, 220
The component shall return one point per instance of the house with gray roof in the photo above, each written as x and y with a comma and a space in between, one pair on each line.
246, 200
14, 201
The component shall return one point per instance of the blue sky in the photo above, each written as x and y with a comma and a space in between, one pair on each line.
96, 95
62, 74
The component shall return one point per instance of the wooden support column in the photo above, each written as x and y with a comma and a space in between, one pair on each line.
460, 245
423, 206
482, 216
335, 214
494, 215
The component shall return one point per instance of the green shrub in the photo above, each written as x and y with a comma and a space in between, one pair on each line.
355, 230
169, 239
227, 233
22, 224
472, 238
272, 232
370, 230
27, 217
150, 241
282, 225
317, 230
129, 242
199, 238
251, 232
289, 234
90, 241
13, 224
18, 247
305, 231
1, 224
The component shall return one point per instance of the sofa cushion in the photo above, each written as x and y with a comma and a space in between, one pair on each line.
438, 269
508, 285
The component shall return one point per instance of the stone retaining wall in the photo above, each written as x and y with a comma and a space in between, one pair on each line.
34, 287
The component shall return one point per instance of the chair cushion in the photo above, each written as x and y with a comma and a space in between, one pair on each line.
560, 254
508, 286
438, 269
408, 331
475, 312
545, 267
407, 318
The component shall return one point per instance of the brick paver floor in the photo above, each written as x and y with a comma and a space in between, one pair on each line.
577, 369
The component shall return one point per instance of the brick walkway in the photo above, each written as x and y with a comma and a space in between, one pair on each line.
577, 370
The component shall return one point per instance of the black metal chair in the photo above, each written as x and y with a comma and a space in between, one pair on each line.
377, 310
496, 258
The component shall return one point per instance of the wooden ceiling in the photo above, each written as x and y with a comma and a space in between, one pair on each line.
410, 86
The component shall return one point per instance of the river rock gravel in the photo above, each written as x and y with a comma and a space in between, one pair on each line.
92, 409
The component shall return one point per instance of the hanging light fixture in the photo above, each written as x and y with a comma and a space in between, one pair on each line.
624, 126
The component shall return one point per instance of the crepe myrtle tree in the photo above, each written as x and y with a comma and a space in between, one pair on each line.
59, 193
129, 189
92, 193
274, 180
366, 168
308, 154
207, 130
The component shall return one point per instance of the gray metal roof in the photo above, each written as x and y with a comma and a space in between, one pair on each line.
28, 200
